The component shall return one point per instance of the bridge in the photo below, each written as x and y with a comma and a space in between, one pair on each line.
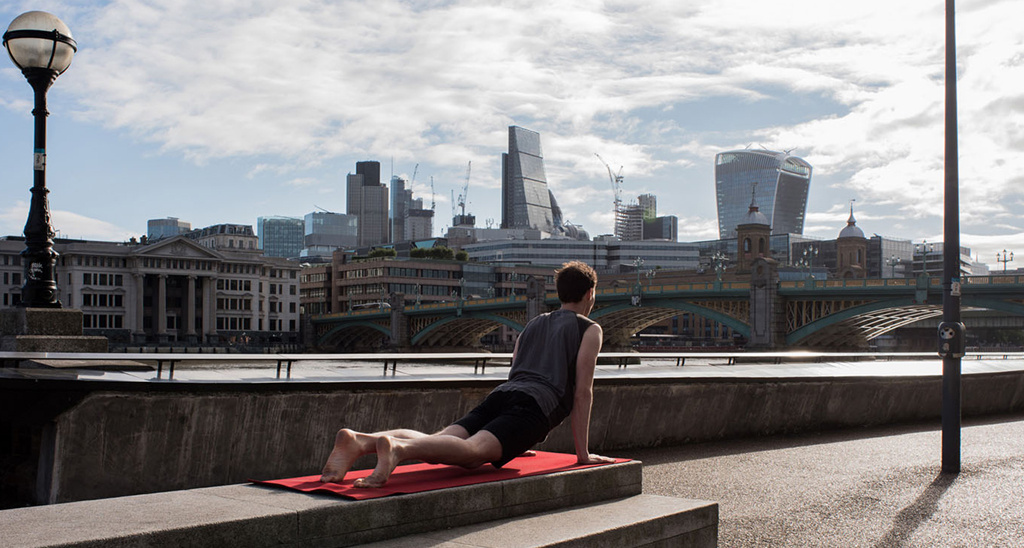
767, 312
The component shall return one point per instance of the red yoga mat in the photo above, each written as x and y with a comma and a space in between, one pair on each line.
416, 478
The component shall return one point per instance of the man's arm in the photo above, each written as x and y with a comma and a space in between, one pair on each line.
586, 362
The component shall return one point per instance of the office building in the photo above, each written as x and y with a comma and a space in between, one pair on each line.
400, 202
368, 202
166, 228
639, 221
409, 220
419, 224
604, 254
324, 232
781, 184
280, 236
525, 200
662, 228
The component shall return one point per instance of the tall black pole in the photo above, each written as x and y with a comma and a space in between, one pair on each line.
38, 257
951, 262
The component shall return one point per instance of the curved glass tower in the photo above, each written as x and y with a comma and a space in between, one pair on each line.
781, 193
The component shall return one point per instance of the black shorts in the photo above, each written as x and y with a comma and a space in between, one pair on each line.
513, 417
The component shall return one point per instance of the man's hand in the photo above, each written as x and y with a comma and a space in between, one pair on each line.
594, 459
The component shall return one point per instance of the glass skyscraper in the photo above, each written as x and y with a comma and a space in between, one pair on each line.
781, 192
525, 201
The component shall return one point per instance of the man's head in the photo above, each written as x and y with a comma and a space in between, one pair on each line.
574, 280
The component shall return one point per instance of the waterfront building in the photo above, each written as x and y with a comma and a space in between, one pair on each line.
316, 289
782, 182
177, 290
325, 232
369, 282
367, 200
280, 236
166, 228
525, 200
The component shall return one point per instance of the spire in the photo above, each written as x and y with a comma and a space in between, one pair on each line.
851, 230
753, 198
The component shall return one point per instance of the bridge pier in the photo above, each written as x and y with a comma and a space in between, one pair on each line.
535, 294
399, 322
767, 314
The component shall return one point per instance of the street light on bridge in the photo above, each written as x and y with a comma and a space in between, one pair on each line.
891, 262
41, 46
1004, 259
924, 248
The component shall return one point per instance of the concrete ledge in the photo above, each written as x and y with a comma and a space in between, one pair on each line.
250, 515
101, 439
643, 520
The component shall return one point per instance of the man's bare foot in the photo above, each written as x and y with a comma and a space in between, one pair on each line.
348, 446
387, 459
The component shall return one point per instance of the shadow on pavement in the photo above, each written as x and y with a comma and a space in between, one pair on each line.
918, 512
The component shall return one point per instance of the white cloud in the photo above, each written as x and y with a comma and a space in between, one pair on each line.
66, 224
293, 85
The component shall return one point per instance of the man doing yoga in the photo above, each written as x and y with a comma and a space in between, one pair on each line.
552, 377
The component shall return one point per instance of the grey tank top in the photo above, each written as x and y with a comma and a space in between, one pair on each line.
545, 362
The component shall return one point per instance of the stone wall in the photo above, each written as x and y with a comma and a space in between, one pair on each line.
106, 443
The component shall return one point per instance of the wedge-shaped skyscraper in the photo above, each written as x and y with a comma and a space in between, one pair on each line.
782, 185
525, 201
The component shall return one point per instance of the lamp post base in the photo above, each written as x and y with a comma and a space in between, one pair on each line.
46, 330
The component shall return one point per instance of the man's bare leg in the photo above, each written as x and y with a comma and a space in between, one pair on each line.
439, 448
349, 445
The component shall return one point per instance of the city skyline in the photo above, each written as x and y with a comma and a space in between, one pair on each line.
222, 113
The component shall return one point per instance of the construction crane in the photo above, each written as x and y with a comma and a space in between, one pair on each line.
461, 219
618, 210
414, 170
465, 189
432, 201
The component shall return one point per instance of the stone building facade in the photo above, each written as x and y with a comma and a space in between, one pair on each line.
173, 291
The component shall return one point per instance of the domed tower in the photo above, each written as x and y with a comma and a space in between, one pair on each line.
851, 250
752, 236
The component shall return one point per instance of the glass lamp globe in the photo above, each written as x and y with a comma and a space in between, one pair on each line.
39, 40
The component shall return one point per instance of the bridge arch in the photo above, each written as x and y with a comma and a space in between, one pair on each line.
339, 334
739, 326
879, 317
476, 325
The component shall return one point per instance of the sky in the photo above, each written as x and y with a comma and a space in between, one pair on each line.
221, 111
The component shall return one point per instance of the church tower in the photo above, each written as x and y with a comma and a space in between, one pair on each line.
851, 251
752, 236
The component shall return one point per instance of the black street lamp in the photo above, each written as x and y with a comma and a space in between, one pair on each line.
41, 46
1004, 258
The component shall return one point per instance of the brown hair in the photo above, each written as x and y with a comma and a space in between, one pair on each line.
573, 281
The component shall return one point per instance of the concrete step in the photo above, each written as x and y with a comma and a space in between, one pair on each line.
250, 515
642, 520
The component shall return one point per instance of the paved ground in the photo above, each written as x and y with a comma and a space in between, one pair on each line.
868, 487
